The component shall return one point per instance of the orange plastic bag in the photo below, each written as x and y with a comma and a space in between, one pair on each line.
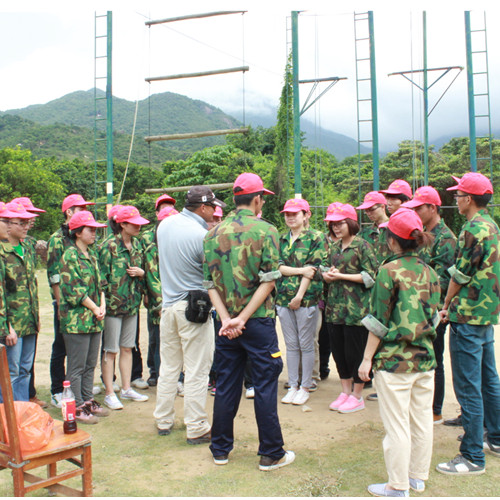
33, 424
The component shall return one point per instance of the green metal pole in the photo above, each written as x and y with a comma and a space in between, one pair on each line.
426, 105
373, 84
296, 103
470, 93
109, 121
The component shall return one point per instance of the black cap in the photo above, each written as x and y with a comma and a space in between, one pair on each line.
202, 194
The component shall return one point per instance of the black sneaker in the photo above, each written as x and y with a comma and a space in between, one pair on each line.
454, 422
221, 459
268, 463
205, 439
164, 432
152, 381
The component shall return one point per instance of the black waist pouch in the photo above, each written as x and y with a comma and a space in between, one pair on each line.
198, 307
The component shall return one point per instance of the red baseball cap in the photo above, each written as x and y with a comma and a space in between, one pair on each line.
399, 186
372, 198
130, 214
473, 183
74, 200
164, 198
249, 183
218, 212
113, 211
403, 222
19, 211
28, 204
296, 205
83, 218
339, 211
424, 195
5, 212
167, 212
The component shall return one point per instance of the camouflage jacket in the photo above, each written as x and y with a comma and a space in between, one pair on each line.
377, 237
404, 303
123, 292
441, 255
80, 278
4, 326
477, 269
347, 302
152, 282
21, 287
148, 236
56, 246
309, 249
240, 253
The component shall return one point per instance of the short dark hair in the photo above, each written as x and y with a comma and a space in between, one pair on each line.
246, 199
194, 206
115, 227
353, 226
399, 196
422, 239
74, 232
481, 200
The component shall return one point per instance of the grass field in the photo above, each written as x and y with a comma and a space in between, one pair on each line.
337, 455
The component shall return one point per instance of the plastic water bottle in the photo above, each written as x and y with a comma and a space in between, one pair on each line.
68, 408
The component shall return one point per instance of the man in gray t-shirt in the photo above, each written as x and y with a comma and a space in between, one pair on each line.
184, 344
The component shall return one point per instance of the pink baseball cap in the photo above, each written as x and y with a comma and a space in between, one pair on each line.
83, 218
164, 198
218, 212
473, 183
130, 214
399, 186
403, 222
74, 200
372, 198
113, 211
19, 211
341, 212
28, 204
5, 212
167, 212
296, 205
424, 195
249, 183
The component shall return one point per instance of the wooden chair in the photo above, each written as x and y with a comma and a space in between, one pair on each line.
74, 448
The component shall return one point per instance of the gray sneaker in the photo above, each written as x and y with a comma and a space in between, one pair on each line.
460, 466
140, 383
493, 449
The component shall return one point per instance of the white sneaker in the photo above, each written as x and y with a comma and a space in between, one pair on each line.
300, 397
139, 383
111, 401
250, 393
96, 390
56, 400
267, 464
134, 396
116, 387
288, 398
180, 389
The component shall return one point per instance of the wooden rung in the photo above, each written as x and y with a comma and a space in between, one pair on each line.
194, 16
194, 75
194, 135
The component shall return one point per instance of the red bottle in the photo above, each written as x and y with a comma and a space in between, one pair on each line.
68, 408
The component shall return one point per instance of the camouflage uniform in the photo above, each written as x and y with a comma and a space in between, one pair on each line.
377, 237
472, 313
21, 293
4, 326
404, 302
240, 253
56, 246
123, 293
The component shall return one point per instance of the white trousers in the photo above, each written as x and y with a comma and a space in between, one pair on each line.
189, 345
405, 402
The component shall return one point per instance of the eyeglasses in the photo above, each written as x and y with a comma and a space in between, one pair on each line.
337, 224
460, 195
372, 209
22, 224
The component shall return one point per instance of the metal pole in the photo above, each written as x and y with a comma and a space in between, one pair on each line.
426, 105
296, 103
373, 84
109, 121
470, 93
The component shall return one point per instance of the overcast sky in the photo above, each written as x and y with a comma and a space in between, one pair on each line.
48, 51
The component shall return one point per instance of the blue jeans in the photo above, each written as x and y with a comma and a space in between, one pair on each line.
20, 358
477, 386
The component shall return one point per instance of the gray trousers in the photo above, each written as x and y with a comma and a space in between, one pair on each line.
299, 330
82, 350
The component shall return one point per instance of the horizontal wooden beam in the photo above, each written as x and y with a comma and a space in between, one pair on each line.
195, 135
225, 185
194, 16
195, 75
